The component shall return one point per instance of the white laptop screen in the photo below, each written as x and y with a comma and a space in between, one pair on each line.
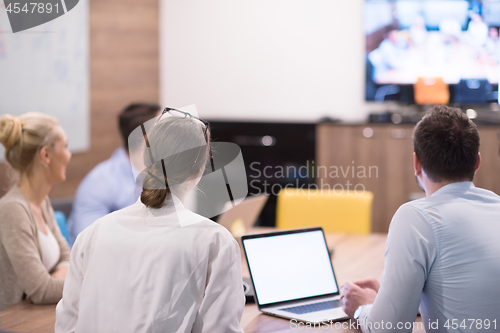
291, 266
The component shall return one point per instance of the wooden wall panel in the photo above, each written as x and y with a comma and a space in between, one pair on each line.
488, 175
399, 180
124, 68
368, 155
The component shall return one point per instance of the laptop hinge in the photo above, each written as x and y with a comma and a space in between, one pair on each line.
309, 299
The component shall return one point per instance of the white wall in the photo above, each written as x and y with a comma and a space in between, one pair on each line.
263, 60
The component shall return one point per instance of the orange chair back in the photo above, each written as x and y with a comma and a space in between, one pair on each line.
431, 90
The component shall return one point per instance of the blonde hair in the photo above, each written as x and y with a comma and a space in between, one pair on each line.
23, 136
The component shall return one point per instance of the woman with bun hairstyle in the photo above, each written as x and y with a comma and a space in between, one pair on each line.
155, 266
34, 256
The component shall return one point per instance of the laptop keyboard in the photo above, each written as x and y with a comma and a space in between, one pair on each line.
301, 309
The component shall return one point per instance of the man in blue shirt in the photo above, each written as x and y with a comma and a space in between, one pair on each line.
110, 185
442, 253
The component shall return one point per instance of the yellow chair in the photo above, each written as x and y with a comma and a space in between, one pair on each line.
346, 212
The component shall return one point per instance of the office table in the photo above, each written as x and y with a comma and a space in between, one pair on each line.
355, 257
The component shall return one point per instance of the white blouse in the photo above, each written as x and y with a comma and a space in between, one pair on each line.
153, 270
50, 249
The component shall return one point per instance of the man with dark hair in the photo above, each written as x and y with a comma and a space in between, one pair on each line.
110, 185
442, 251
446, 143
134, 116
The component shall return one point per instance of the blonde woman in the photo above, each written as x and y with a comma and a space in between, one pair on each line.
33, 254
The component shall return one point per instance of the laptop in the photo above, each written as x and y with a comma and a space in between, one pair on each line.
242, 217
293, 276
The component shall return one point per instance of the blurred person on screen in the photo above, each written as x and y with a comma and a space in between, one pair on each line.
34, 256
110, 185
390, 55
493, 46
477, 30
450, 28
418, 31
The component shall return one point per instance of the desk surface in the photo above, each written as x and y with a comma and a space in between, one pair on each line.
355, 257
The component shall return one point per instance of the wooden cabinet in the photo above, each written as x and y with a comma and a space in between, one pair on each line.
382, 158
488, 175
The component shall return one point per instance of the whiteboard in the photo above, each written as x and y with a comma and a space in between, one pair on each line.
263, 60
46, 69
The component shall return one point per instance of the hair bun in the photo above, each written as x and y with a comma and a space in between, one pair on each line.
10, 130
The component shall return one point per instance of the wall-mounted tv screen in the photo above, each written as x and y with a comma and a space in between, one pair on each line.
432, 51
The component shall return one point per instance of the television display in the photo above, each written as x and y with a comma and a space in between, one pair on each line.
432, 51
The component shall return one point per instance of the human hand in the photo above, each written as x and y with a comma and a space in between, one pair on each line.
370, 283
353, 296
60, 273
